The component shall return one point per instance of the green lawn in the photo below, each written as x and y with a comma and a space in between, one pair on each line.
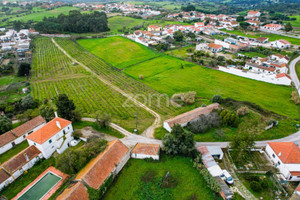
295, 23
128, 53
298, 69
180, 53
190, 182
118, 22
12, 152
272, 37
253, 54
18, 185
5, 80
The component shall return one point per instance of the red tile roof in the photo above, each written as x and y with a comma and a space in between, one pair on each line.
76, 192
193, 114
214, 46
19, 160
49, 130
288, 152
295, 173
7, 138
3, 176
100, 168
252, 12
28, 126
284, 41
281, 75
147, 149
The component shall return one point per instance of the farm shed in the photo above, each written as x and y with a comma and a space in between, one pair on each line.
143, 150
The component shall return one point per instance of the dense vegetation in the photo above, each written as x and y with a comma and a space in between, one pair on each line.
75, 22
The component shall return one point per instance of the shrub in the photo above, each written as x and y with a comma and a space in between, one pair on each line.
184, 98
103, 120
217, 99
212, 183
204, 122
77, 134
5, 124
141, 77
242, 111
229, 118
255, 186
295, 97
272, 122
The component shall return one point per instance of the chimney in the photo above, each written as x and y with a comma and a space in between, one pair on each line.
58, 124
279, 154
55, 113
27, 159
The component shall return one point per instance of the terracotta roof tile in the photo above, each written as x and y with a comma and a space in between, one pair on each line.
49, 130
147, 149
7, 138
76, 192
3, 176
19, 160
193, 114
288, 152
281, 75
28, 126
99, 169
214, 46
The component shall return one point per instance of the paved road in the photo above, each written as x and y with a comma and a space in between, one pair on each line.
293, 73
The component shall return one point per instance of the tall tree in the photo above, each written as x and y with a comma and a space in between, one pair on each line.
27, 102
47, 112
5, 124
288, 27
179, 141
178, 36
24, 69
241, 145
65, 107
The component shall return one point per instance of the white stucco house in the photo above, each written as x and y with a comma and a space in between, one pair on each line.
54, 136
286, 157
17, 165
143, 150
281, 44
280, 58
284, 78
17, 135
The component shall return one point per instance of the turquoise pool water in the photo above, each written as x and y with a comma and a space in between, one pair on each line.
40, 188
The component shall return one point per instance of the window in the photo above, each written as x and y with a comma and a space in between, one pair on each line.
21, 171
273, 155
34, 144
64, 131
50, 141
68, 127
279, 163
30, 132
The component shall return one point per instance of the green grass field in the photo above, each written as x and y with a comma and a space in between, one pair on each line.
6, 80
118, 22
295, 23
190, 182
298, 69
38, 16
272, 37
165, 75
12, 152
253, 54
130, 53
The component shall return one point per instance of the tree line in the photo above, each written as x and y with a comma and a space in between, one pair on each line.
75, 22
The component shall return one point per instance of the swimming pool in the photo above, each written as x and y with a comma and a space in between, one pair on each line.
40, 188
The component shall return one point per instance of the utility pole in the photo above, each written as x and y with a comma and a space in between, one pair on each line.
136, 120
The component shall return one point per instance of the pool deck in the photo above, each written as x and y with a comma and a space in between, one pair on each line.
53, 190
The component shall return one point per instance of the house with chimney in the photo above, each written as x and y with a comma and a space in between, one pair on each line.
17, 165
55, 136
17, 135
286, 158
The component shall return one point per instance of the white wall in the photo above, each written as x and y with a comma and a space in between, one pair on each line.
143, 156
224, 44
5, 148
167, 127
258, 77
121, 164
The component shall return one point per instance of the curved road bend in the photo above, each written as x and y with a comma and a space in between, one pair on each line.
293, 73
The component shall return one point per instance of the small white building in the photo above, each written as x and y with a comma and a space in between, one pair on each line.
17, 165
284, 78
209, 162
14, 137
201, 46
253, 13
286, 157
281, 44
215, 47
54, 136
280, 58
272, 27
143, 150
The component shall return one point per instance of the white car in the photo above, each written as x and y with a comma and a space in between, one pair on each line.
227, 177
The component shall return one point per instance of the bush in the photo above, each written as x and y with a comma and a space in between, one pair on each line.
229, 118
103, 120
255, 186
77, 134
141, 77
204, 122
184, 98
5, 124
242, 111
295, 97
217, 99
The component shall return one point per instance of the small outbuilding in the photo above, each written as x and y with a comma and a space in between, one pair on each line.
143, 150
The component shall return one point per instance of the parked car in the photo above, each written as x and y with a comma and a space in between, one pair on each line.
227, 177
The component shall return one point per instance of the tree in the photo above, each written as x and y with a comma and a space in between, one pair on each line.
47, 113
179, 141
244, 25
288, 27
17, 25
240, 19
178, 36
217, 99
240, 145
65, 107
27, 102
24, 69
5, 124
103, 120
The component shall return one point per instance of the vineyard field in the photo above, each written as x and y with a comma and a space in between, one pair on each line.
54, 73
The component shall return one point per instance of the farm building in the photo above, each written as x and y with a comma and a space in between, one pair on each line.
209, 162
76, 191
184, 118
15, 167
54, 136
13, 137
106, 164
286, 157
215, 47
143, 150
